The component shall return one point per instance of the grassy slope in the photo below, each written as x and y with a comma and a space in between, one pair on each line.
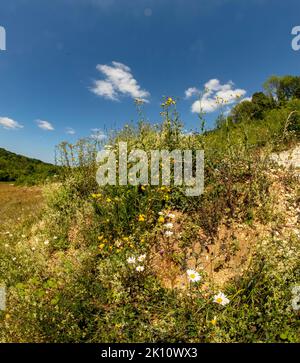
14, 167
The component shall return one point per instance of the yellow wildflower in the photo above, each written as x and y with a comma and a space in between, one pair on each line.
141, 218
161, 219
214, 321
101, 246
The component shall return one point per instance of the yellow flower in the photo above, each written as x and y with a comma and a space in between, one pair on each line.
214, 321
100, 238
166, 197
161, 219
143, 187
101, 246
141, 218
108, 200
7, 316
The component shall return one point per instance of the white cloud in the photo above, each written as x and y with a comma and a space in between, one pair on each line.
192, 91
98, 134
118, 81
70, 131
215, 95
246, 99
9, 124
45, 125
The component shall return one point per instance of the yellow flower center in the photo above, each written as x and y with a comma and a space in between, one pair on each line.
219, 300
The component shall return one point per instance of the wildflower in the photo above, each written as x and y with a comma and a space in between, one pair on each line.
161, 213
23, 236
161, 219
55, 237
171, 216
140, 268
221, 299
141, 218
118, 243
46, 242
141, 258
193, 275
296, 290
131, 260
108, 200
214, 321
296, 303
143, 187
168, 233
168, 225
101, 246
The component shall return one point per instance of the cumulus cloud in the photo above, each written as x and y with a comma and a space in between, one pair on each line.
45, 125
118, 81
214, 96
192, 91
9, 124
70, 131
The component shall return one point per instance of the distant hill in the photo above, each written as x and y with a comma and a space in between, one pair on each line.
24, 170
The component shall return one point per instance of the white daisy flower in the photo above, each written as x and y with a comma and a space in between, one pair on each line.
161, 213
46, 242
296, 290
221, 299
131, 260
296, 303
193, 275
141, 258
140, 268
168, 225
171, 216
168, 233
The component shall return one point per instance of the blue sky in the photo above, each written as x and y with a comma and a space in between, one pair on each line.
58, 49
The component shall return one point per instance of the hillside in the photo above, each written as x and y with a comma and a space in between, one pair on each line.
149, 263
22, 169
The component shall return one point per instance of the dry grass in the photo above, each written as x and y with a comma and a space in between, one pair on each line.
18, 204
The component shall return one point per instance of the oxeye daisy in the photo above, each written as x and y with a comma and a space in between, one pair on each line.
193, 275
221, 299
131, 260
140, 268
168, 233
296, 290
168, 225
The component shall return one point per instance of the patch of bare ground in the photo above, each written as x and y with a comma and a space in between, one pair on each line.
228, 255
